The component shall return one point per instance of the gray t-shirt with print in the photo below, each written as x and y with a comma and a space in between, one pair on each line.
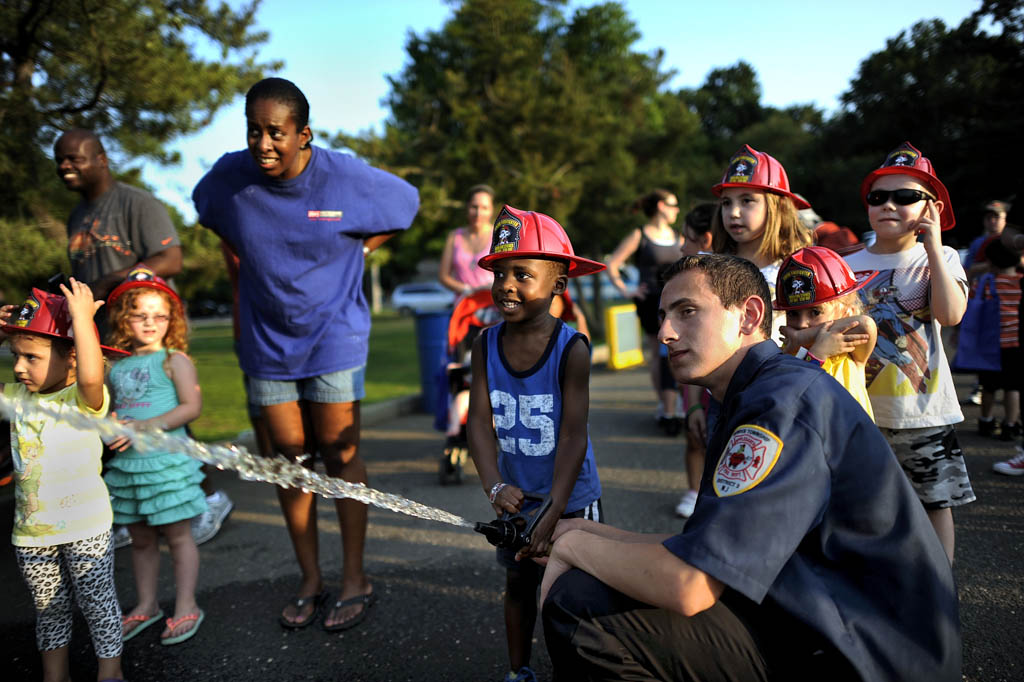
124, 226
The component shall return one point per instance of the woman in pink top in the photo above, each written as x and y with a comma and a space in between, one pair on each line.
466, 245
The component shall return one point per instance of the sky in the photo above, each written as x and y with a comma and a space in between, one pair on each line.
339, 53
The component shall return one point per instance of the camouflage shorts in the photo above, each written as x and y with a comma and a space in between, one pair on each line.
934, 464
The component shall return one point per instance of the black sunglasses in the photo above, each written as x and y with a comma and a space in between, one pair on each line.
900, 197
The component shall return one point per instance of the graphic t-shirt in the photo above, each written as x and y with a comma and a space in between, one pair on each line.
122, 227
59, 494
908, 376
301, 304
142, 388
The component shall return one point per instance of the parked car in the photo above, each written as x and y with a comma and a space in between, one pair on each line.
421, 296
630, 277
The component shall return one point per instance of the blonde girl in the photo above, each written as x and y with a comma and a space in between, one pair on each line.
758, 219
155, 493
825, 321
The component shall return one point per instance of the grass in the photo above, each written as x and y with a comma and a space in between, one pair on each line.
392, 371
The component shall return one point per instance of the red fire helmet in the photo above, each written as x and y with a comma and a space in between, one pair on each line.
908, 160
751, 168
141, 276
528, 234
814, 275
47, 314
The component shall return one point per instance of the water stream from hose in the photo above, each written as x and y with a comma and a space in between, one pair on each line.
277, 470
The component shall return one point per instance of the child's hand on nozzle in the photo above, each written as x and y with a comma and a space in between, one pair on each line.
80, 300
541, 541
509, 499
928, 227
831, 340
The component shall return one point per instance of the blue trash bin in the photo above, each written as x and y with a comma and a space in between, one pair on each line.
432, 345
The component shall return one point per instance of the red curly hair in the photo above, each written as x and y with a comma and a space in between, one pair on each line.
120, 327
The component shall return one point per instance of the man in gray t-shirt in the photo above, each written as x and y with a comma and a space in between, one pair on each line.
115, 226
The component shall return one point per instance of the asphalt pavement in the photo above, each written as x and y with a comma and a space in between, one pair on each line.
439, 616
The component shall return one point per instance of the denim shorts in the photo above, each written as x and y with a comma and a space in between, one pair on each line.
345, 386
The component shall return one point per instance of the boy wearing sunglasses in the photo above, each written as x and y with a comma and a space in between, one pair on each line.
921, 286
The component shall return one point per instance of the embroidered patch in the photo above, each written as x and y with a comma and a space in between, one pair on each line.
741, 168
506, 233
324, 215
901, 156
748, 458
27, 312
797, 285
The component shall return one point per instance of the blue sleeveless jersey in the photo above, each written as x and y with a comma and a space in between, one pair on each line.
527, 410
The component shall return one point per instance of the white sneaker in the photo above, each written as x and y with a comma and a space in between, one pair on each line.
220, 505
1011, 467
206, 526
686, 504
122, 538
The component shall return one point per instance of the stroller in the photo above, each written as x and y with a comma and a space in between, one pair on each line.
473, 314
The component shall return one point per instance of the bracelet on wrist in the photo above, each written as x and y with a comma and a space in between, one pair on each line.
693, 408
495, 490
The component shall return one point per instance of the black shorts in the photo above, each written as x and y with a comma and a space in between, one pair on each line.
647, 311
1009, 375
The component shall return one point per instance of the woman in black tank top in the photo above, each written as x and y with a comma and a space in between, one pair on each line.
654, 247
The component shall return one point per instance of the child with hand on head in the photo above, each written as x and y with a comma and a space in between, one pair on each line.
759, 219
155, 493
530, 388
61, 533
921, 286
818, 292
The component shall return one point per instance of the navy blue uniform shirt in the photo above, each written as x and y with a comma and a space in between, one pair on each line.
803, 502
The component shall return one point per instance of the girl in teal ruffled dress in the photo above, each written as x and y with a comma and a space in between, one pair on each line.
155, 493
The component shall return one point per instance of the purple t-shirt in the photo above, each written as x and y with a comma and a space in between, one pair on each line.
301, 304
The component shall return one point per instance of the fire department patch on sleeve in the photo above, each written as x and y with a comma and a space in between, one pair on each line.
747, 459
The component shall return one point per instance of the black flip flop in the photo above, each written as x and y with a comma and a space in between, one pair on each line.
367, 600
299, 602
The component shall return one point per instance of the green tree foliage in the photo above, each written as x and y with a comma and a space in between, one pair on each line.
543, 107
955, 93
30, 257
134, 71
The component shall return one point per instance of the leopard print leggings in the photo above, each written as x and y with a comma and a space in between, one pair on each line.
88, 566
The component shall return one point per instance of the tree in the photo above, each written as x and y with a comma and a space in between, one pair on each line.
130, 70
548, 109
954, 93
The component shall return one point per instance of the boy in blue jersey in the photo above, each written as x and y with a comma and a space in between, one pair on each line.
530, 391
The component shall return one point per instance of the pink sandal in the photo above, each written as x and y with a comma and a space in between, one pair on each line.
143, 620
172, 624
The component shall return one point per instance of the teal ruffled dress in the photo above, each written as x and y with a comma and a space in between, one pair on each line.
155, 488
